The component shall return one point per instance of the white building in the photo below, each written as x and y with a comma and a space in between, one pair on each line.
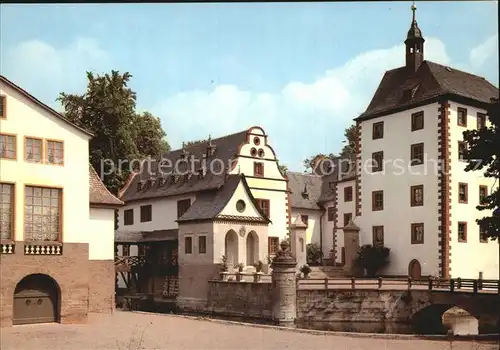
419, 202
56, 217
425, 214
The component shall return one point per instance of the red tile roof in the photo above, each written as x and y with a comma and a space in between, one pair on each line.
98, 193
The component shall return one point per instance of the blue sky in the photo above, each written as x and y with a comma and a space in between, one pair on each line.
300, 70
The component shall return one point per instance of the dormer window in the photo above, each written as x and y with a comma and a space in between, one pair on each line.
210, 147
305, 193
414, 90
203, 172
150, 183
162, 181
140, 185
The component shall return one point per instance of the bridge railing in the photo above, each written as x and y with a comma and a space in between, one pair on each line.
436, 284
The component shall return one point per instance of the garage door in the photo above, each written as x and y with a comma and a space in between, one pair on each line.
36, 300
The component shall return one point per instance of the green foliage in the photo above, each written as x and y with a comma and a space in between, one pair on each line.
351, 135
107, 109
149, 136
305, 269
308, 162
190, 143
283, 168
269, 260
314, 254
483, 148
372, 258
239, 267
223, 263
258, 266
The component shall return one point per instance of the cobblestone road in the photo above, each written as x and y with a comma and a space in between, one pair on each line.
133, 331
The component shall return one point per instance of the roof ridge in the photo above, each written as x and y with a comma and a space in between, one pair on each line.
305, 174
196, 143
44, 105
102, 185
457, 70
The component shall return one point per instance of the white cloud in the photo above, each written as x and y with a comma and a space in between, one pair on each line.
299, 117
46, 70
302, 118
481, 53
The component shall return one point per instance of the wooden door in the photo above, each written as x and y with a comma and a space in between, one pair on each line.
414, 269
36, 300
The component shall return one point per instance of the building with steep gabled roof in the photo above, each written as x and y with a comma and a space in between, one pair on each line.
56, 217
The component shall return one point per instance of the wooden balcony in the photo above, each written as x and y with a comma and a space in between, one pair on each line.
126, 263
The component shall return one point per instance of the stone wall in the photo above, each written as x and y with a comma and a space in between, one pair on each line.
417, 306
69, 270
347, 306
85, 285
240, 299
101, 286
194, 286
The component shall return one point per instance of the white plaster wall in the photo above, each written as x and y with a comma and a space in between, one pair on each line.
194, 231
344, 208
472, 257
164, 214
240, 193
313, 230
278, 208
328, 233
220, 231
395, 181
272, 186
101, 234
26, 119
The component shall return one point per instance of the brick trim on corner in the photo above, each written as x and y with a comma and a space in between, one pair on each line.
335, 218
288, 207
444, 190
358, 169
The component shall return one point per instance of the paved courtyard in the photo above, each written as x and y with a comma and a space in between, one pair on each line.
134, 331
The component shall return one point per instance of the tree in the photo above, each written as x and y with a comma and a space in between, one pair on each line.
107, 109
283, 168
372, 258
348, 151
308, 162
149, 136
351, 136
483, 148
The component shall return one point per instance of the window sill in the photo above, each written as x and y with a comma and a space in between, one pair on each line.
462, 241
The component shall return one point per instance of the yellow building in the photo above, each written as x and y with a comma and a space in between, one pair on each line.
56, 217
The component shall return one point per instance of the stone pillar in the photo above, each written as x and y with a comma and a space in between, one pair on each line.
284, 287
298, 241
351, 245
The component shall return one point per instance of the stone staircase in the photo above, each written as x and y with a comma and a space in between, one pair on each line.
327, 272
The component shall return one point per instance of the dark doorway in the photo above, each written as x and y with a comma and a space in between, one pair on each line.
36, 300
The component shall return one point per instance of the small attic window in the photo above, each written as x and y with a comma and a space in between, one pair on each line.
414, 91
140, 185
449, 69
